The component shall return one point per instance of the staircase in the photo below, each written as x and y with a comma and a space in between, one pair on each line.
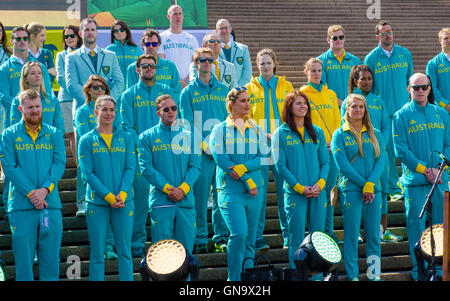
297, 31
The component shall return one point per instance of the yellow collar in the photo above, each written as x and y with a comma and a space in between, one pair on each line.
346, 127
340, 58
30, 132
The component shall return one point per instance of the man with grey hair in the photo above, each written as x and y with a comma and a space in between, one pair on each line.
235, 53
223, 70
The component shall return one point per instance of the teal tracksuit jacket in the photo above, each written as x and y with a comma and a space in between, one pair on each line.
361, 176
438, 69
336, 74
166, 73
126, 54
391, 75
10, 73
418, 133
51, 111
381, 122
138, 113
301, 164
201, 108
138, 108
30, 165
166, 160
108, 172
240, 211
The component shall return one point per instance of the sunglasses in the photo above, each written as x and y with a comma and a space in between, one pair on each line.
338, 37
146, 66
121, 29
167, 109
72, 36
418, 87
154, 44
241, 88
18, 39
97, 87
212, 41
386, 33
205, 59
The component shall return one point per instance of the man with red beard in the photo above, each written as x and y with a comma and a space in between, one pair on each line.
33, 157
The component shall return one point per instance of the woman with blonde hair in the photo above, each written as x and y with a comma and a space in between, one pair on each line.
37, 38
358, 151
32, 78
325, 114
267, 94
236, 148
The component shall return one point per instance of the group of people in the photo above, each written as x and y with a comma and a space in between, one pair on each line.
161, 128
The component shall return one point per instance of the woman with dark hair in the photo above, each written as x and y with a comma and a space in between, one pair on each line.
236, 145
361, 82
325, 114
358, 151
71, 42
300, 153
5, 51
123, 46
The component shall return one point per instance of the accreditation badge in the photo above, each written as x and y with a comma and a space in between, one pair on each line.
240, 60
106, 69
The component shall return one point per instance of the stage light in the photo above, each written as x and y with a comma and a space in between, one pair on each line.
318, 253
168, 260
430, 248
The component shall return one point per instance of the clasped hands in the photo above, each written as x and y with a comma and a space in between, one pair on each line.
235, 176
37, 198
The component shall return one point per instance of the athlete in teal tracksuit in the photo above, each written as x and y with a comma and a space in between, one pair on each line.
109, 171
361, 176
203, 106
51, 111
335, 73
126, 55
301, 163
390, 75
166, 73
438, 69
381, 122
418, 132
166, 160
31, 164
138, 112
240, 151
10, 73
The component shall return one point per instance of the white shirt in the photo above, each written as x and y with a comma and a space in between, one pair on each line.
87, 50
179, 48
447, 56
388, 53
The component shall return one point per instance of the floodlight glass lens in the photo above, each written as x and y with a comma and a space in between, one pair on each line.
326, 247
